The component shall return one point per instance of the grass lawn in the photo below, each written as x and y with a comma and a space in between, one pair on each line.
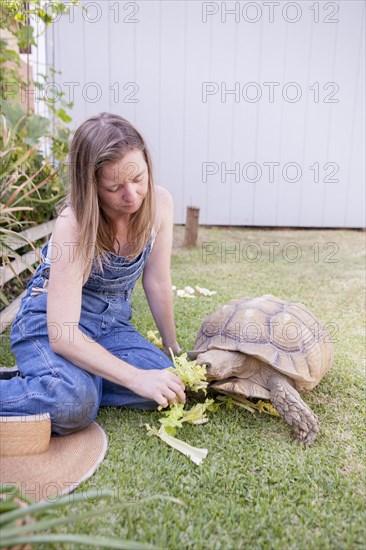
257, 488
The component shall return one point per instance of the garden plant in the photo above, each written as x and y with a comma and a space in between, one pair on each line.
33, 171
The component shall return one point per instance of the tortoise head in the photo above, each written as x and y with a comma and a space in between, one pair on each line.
222, 364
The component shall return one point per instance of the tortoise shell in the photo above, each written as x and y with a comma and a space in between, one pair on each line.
283, 335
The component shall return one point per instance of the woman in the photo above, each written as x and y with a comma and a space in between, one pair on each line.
72, 337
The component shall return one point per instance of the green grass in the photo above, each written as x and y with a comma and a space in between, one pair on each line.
258, 488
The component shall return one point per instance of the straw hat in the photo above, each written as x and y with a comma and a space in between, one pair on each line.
45, 467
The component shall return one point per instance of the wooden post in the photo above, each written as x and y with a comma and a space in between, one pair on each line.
191, 231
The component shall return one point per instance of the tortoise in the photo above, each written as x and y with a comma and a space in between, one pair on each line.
268, 348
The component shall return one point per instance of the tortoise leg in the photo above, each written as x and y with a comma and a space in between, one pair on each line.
293, 409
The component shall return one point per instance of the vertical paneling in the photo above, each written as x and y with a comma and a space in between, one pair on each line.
354, 207
244, 118
271, 64
164, 52
148, 55
96, 87
344, 71
171, 101
291, 172
121, 58
197, 69
320, 118
219, 109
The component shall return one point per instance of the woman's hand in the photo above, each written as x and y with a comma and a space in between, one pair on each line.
162, 386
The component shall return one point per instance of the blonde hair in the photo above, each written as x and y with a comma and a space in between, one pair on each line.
101, 140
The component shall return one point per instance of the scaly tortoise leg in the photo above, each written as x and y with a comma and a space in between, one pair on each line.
293, 409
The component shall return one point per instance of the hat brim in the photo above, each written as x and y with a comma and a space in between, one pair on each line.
68, 461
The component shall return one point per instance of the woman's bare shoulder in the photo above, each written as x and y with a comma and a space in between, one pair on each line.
163, 196
66, 224
164, 206
68, 214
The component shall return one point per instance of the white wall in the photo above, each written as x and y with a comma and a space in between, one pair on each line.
148, 60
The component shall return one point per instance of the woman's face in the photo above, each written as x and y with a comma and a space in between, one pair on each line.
123, 186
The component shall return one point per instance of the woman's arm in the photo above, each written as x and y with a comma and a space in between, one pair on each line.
66, 339
156, 278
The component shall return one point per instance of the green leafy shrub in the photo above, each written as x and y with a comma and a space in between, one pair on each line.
33, 171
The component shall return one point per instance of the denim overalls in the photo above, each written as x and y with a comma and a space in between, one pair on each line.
53, 384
